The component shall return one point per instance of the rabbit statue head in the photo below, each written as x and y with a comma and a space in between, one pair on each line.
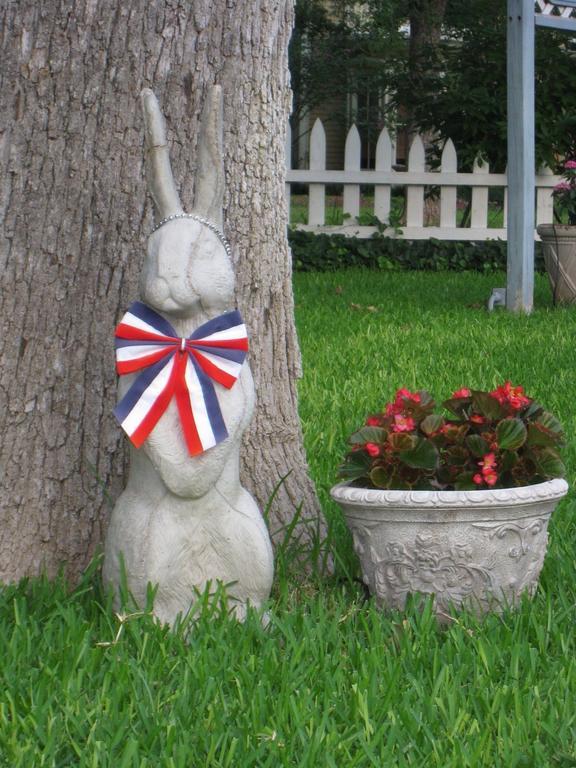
188, 268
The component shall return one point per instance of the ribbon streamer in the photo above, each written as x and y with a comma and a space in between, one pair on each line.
184, 368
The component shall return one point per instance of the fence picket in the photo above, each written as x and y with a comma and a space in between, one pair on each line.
544, 200
352, 153
449, 164
385, 156
415, 193
317, 192
479, 213
414, 180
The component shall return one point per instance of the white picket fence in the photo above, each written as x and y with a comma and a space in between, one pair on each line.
414, 180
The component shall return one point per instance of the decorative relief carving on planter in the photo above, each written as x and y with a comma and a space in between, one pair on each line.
550, 490
432, 565
522, 532
484, 555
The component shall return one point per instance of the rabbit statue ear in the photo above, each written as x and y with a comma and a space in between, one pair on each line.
158, 170
209, 196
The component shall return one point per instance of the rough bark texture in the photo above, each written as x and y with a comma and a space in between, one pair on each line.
75, 217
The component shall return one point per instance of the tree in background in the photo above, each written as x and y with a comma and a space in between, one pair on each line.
74, 221
440, 65
344, 49
425, 19
462, 94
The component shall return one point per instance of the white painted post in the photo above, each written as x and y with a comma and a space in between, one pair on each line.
415, 193
505, 211
317, 192
521, 162
479, 206
352, 152
544, 200
449, 164
385, 156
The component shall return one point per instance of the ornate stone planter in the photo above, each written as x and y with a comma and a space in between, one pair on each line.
559, 244
479, 549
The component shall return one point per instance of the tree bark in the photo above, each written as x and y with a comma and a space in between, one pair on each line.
75, 217
426, 17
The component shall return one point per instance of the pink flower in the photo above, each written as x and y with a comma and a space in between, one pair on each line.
461, 393
372, 421
513, 396
488, 467
372, 449
475, 418
407, 395
562, 186
570, 165
488, 462
403, 423
399, 401
490, 478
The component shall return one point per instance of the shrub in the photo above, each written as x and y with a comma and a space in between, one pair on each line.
326, 253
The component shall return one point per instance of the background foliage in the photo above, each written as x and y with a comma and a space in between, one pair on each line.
322, 252
364, 49
463, 93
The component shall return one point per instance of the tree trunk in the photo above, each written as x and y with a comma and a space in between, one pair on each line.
426, 17
75, 218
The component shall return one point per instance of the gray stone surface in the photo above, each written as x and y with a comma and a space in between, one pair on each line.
477, 548
559, 246
184, 522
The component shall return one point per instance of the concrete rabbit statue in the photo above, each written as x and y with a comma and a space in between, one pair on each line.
184, 520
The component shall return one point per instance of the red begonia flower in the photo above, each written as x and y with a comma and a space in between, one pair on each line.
403, 423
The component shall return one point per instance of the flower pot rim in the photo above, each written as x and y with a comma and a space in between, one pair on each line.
549, 490
552, 227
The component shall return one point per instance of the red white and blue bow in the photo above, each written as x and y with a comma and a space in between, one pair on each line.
183, 368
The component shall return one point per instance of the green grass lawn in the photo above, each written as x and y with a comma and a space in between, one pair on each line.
332, 681
334, 215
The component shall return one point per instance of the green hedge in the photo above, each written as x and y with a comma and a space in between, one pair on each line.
325, 253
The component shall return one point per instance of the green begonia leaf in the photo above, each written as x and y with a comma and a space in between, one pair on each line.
539, 435
456, 404
548, 463
431, 423
356, 464
550, 423
478, 446
464, 482
423, 456
400, 441
511, 434
368, 435
487, 405
380, 478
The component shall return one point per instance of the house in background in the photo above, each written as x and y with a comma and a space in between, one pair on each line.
363, 104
